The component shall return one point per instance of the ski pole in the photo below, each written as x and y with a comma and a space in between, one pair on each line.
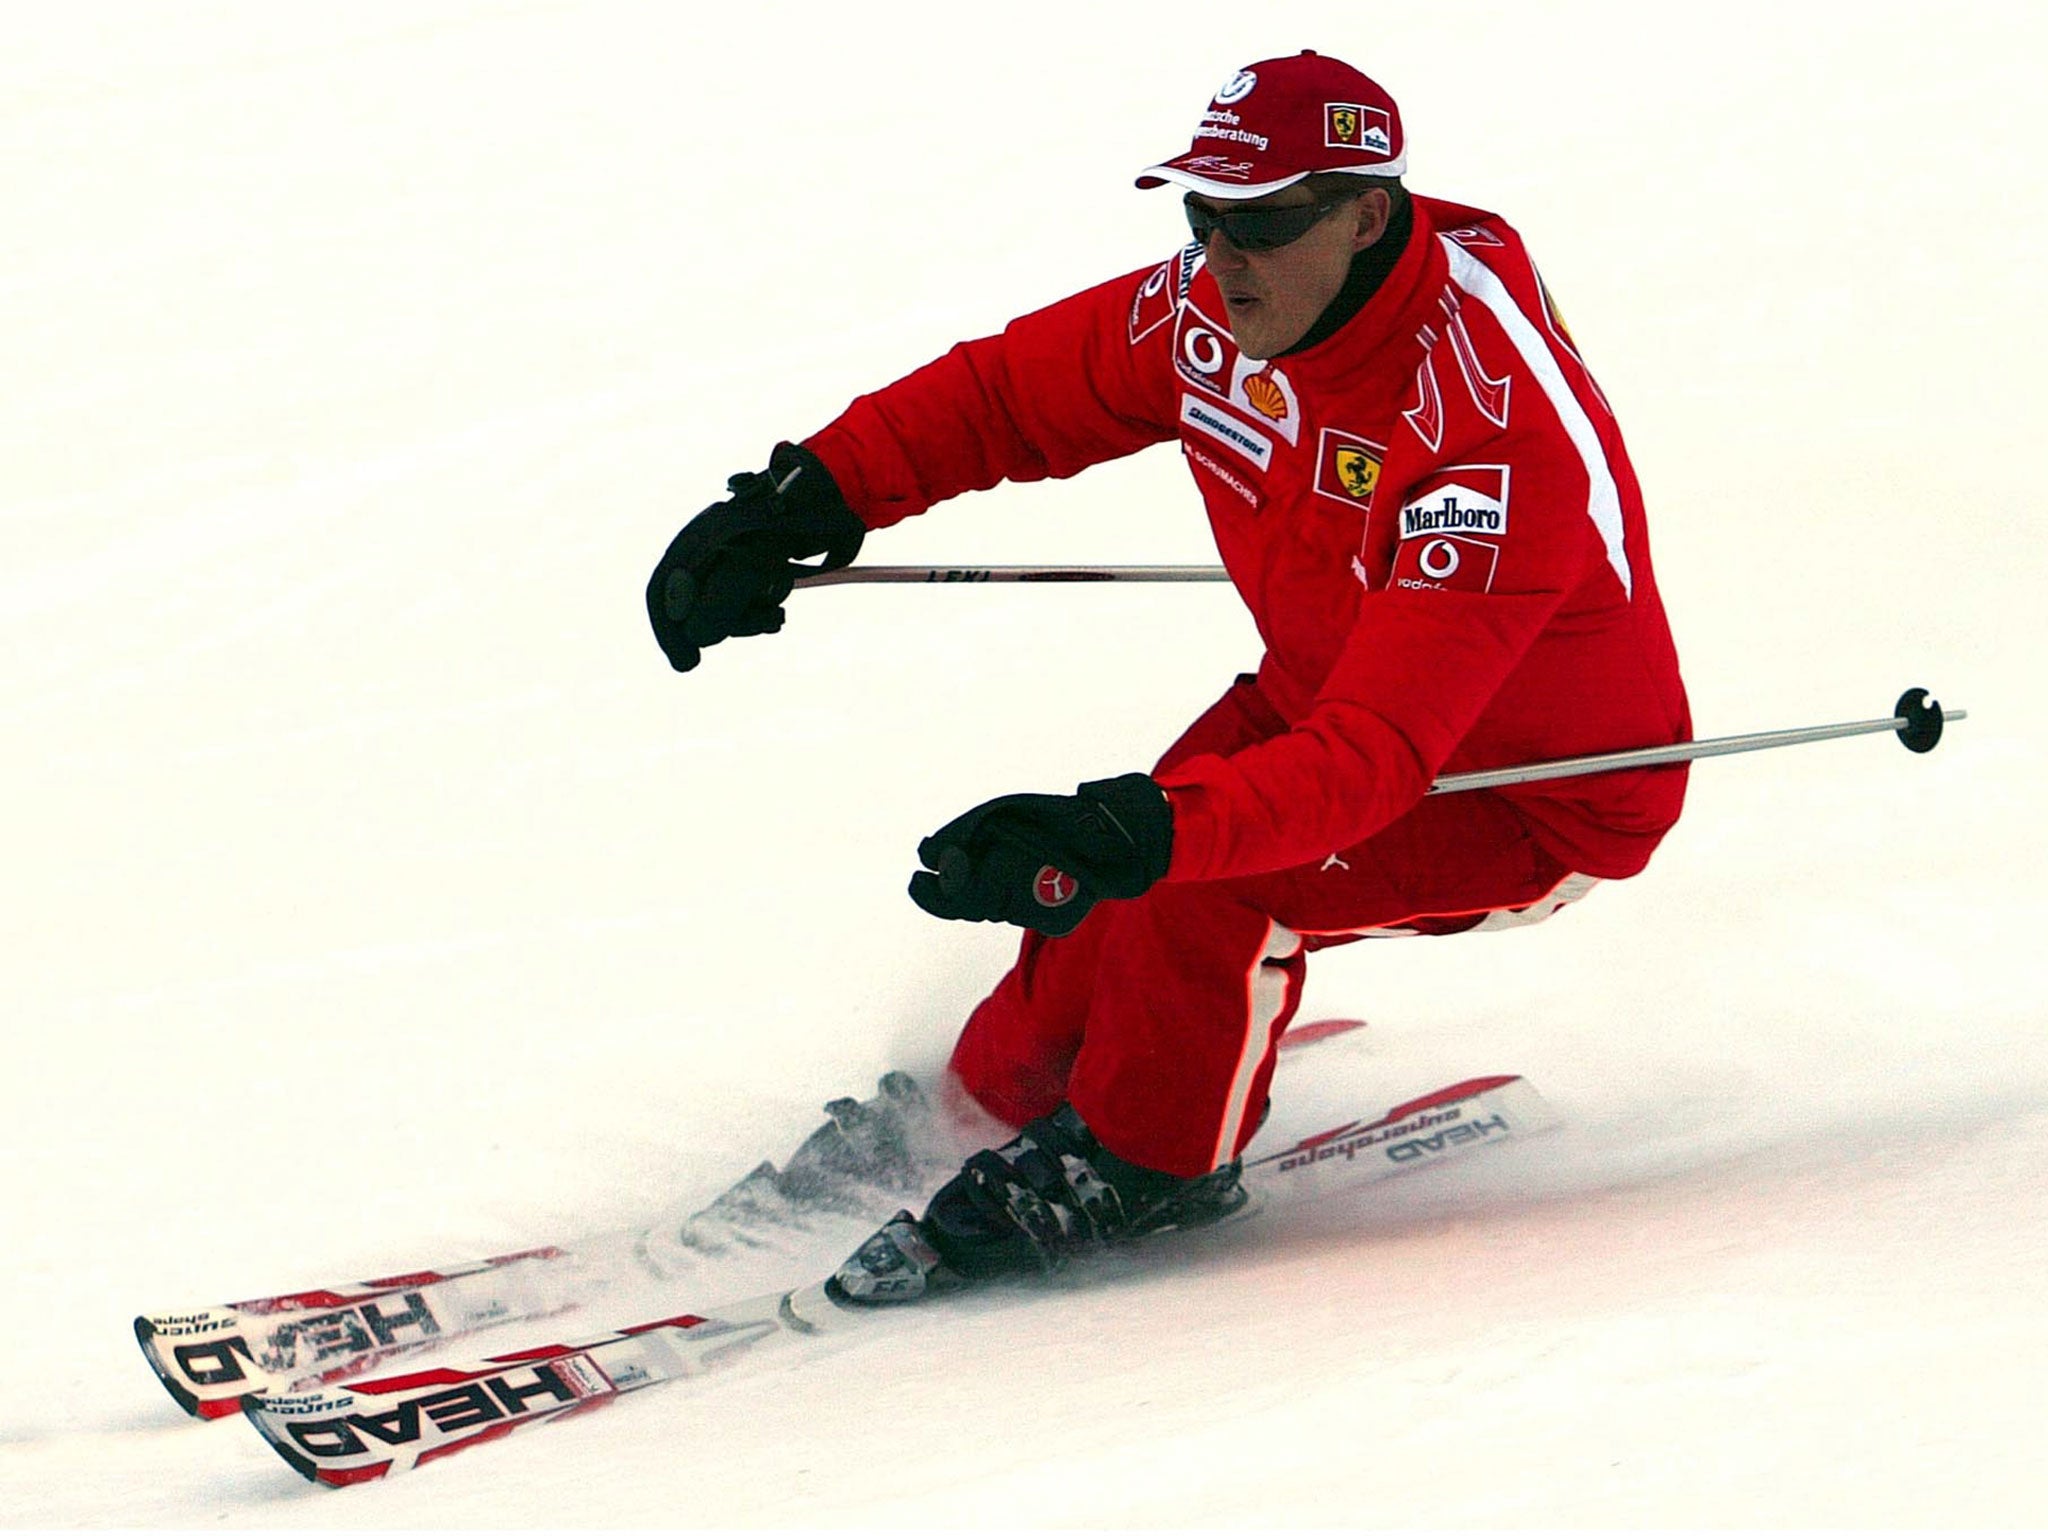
1916, 719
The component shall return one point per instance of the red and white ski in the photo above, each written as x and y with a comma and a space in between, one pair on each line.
364, 1430
210, 1358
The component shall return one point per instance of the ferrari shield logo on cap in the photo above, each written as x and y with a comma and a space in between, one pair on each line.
1352, 125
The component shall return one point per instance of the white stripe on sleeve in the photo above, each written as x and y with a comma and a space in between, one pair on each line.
1603, 501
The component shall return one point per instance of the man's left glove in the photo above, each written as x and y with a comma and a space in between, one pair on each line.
1041, 861
729, 570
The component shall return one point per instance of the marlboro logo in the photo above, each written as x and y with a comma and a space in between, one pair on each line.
1467, 499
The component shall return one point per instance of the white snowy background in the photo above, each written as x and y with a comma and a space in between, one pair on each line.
376, 895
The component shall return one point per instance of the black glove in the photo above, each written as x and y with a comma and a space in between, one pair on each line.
729, 570
1041, 861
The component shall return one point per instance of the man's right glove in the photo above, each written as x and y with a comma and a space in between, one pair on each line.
1042, 861
730, 569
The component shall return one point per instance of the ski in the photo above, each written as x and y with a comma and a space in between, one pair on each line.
210, 1358
339, 1435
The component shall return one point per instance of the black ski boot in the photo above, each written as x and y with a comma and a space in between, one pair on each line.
883, 1144
1025, 1208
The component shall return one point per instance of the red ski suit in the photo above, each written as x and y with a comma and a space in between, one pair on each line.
1434, 522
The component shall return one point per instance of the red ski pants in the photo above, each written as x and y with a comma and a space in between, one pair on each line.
1158, 1018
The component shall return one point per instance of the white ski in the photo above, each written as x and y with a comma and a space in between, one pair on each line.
365, 1430
209, 1358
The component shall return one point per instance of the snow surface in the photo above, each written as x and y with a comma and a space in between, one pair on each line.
377, 895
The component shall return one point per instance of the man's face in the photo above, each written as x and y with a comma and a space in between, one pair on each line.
1272, 297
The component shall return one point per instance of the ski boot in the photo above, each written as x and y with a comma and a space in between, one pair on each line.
1026, 1208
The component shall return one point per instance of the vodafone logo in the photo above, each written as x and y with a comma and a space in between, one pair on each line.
1439, 560
1203, 350
1447, 563
1054, 887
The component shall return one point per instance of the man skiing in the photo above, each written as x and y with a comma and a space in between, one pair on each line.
1421, 495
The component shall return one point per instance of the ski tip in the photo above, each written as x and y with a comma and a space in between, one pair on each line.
207, 1373
203, 1409
1470, 1088
145, 1335
1318, 1029
251, 1407
274, 1417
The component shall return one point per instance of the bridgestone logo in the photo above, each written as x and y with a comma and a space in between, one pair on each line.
1253, 444
1449, 515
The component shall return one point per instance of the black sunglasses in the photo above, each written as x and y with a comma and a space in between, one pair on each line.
1258, 229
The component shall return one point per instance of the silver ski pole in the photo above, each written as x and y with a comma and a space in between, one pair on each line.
854, 574
1916, 719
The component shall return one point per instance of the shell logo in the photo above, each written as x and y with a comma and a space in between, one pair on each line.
1266, 397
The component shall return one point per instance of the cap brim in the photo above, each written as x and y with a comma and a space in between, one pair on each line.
1227, 191
1159, 175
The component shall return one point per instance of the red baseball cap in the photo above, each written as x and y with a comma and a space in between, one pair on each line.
1279, 120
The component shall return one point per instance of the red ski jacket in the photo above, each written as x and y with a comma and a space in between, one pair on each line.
1430, 514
